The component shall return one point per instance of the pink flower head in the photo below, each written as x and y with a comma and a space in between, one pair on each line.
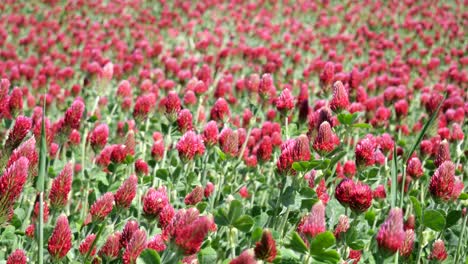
154, 201
18, 133
313, 223
365, 153
60, 242
111, 248
157, 150
17, 257
323, 143
102, 207
265, 149
361, 197
172, 106
340, 99
342, 226
401, 108
157, 243
406, 247
344, 191
190, 145
327, 75
285, 101
184, 120
98, 137
292, 151
266, 86
379, 192
135, 246
195, 196
442, 182
11, 186
144, 104
210, 133
73, 116
126, 192
15, 102
85, 245
244, 192
61, 187
414, 168
141, 167
27, 150
188, 230
438, 251
247, 257
265, 249
391, 234
209, 189
129, 229
220, 111
443, 153
229, 141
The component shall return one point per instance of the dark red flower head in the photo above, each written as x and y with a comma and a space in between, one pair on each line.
265, 249
60, 242
391, 234
126, 192
102, 207
61, 187
340, 100
18, 133
195, 196
442, 182
17, 257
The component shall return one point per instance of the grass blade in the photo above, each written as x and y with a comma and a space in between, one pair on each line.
40, 189
393, 189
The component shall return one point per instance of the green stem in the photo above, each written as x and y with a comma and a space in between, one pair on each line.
460, 239
41, 229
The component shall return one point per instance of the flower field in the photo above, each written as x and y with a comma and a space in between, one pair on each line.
233, 132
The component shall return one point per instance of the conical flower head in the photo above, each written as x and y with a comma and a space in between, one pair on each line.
188, 230
364, 153
442, 182
266, 86
27, 150
323, 143
190, 145
361, 197
247, 257
61, 187
11, 186
99, 136
172, 106
438, 251
130, 227
265, 149
111, 248
18, 132
314, 223
85, 245
327, 75
157, 243
210, 133
154, 201
391, 234
73, 116
195, 196
60, 242
184, 120
102, 207
17, 257
229, 141
285, 101
220, 111
340, 100
407, 247
344, 191
342, 226
443, 153
126, 192
143, 106
414, 168
265, 249
134, 248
